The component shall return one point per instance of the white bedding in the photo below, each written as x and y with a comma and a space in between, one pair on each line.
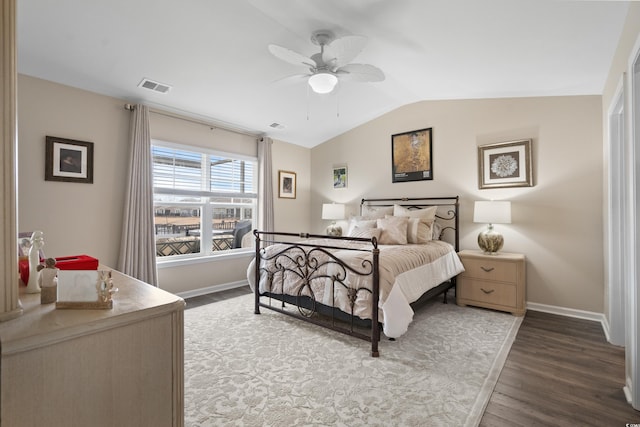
406, 272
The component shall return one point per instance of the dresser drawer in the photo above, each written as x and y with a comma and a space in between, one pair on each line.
502, 294
494, 270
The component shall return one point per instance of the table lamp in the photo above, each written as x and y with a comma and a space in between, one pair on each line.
491, 212
333, 212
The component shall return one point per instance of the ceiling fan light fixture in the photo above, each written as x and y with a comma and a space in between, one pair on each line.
323, 82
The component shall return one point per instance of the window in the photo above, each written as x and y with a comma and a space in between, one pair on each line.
204, 202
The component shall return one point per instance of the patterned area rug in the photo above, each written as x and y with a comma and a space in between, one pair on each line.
270, 370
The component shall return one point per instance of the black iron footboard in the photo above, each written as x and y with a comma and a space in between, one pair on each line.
278, 259
310, 264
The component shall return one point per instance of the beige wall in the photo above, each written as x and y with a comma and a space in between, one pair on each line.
557, 223
86, 218
292, 215
75, 218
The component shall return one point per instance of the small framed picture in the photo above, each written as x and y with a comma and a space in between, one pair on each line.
412, 155
68, 160
340, 177
287, 186
505, 164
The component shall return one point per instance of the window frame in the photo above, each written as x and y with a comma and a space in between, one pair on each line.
206, 204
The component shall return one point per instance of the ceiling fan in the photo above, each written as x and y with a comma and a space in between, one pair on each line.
332, 62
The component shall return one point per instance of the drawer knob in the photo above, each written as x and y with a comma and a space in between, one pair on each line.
487, 269
487, 291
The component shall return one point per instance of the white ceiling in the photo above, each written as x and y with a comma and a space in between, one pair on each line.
214, 54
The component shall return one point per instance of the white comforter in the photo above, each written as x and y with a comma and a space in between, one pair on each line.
406, 272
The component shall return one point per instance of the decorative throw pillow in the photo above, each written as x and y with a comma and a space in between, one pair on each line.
365, 233
421, 221
419, 230
394, 230
360, 223
375, 212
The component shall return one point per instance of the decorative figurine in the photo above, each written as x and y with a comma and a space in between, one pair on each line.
48, 281
105, 286
37, 242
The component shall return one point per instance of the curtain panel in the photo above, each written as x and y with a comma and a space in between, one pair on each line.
265, 187
137, 248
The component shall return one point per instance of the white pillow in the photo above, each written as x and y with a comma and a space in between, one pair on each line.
366, 233
436, 230
360, 223
394, 230
426, 213
375, 212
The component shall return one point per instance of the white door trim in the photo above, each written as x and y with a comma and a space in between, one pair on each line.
617, 208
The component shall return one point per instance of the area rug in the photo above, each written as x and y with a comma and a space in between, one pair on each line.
243, 369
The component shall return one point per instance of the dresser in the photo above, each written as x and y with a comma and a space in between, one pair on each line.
492, 281
101, 368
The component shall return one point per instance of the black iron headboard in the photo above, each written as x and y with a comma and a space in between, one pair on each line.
447, 214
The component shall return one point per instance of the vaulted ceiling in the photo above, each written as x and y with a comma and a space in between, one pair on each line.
214, 54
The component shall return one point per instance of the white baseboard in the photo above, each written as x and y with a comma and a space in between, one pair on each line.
570, 312
606, 327
212, 289
627, 392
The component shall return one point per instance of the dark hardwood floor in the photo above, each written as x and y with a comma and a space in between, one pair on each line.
561, 371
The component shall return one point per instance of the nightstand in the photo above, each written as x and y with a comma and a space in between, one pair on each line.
492, 281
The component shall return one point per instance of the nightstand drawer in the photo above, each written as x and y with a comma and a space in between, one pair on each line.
503, 294
494, 270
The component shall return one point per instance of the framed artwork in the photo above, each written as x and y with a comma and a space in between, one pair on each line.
68, 160
340, 177
287, 186
505, 164
411, 155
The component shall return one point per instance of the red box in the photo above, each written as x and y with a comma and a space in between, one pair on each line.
75, 262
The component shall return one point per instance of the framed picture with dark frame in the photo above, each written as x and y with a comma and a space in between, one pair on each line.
287, 185
505, 164
68, 160
412, 155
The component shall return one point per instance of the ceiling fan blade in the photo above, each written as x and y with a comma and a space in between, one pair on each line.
290, 56
291, 79
361, 73
343, 50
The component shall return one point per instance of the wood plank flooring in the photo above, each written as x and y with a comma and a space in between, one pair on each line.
560, 372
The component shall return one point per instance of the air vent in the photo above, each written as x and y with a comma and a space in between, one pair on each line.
154, 86
275, 125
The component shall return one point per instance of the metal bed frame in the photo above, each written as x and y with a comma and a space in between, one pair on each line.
309, 261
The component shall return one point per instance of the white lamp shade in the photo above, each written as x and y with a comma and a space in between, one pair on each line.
323, 82
333, 211
491, 212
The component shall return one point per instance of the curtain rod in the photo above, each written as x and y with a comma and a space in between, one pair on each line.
211, 125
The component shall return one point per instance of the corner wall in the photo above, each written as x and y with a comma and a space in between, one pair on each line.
87, 218
557, 223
